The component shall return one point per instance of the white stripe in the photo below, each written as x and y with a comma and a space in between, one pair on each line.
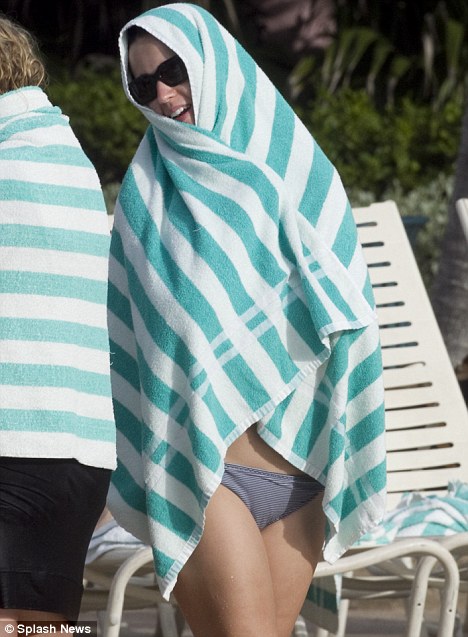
122, 336
53, 308
46, 216
259, 143
50, 174
300, 163
31, 444
55, 399
53, 262
235, 84
332, 213
40, 353
56, 134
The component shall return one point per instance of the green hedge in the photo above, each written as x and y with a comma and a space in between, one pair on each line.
410, 143
107, 125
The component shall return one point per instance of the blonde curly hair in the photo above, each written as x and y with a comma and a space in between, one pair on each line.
20, 63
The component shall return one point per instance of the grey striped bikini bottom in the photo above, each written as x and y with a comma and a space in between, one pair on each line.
268, 495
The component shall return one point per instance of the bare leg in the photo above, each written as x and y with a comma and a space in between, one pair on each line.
225, 589
294, 546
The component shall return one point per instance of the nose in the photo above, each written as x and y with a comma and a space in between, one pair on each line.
165, 92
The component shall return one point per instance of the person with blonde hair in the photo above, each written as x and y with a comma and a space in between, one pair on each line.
57, 434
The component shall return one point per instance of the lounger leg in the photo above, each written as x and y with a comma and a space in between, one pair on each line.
418, 598
116, 598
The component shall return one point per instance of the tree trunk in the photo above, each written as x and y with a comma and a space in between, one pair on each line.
450, 289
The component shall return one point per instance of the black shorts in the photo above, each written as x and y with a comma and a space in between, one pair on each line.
48, 511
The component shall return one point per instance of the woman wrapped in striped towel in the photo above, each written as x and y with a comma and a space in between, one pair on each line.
57, 431
246, 366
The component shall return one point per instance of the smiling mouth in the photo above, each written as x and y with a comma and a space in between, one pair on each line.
180, 111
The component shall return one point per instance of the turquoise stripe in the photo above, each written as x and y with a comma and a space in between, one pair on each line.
275, 422
52, 117
318, 312
339, 358
116, 247
346, 239
301, 320
375, 478
169, 515
318, 185
275, 349
52, 195
159, 453
246, 382
119, 305
224, 423
204, 449
124, 365
52, 154
56, 423
322, 597
181, 469
21, 375
131, 492
176, 19
311, 428
245, 122
365, 432
59, 285
162, 562
57, 239
160, 331
130, 426
334, 294
54, 332
282, 136
188, 295
156, 390
370, 369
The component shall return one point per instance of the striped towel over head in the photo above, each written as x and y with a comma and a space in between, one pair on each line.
238, 294
55, 394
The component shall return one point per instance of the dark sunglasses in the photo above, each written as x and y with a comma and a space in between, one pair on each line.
144, 88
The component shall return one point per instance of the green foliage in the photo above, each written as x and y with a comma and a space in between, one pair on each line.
107, 125
392, 50
407, 142
405, 152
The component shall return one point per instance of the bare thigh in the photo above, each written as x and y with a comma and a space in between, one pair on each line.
242, 581
225, 588
294, 547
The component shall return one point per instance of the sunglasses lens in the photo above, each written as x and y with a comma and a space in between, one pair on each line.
173, 72
144, 88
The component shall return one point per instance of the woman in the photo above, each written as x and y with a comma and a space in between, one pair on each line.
246, 365
57, 434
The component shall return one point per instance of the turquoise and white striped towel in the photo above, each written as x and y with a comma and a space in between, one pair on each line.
238, 294
420, 514
55, 397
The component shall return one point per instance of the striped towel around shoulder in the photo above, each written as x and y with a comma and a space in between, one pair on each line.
55, 398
